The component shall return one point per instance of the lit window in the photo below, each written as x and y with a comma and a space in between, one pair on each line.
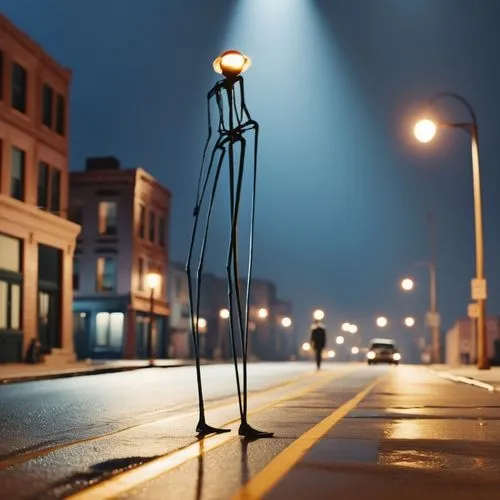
140, 273
109, 329
106, 274
10, 306
107, 217
10, 253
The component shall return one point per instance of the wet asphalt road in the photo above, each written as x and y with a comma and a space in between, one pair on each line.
412, 435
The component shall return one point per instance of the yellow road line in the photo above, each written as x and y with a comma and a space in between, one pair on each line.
133, 478
26, 457
275, 471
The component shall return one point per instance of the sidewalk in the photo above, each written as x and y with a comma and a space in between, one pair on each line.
469, 374
21, 372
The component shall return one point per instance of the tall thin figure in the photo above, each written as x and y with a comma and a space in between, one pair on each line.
232, 125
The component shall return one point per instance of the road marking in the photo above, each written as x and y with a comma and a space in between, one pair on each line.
465, 380
275, 471
10, 461
121, 483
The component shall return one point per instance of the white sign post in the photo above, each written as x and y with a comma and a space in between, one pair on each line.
433, 319
473, 310
478, 289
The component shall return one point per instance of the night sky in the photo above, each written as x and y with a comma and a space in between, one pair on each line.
335, 85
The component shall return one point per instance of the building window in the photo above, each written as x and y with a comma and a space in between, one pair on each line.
55, 191
60, 112
19, 86
107, 217
43, 185
106, 274
76, 273
76, 213
109, 329
17, 174
142, 221
10, 254
47, 105
1, 74
140, 268
161, 231
10, 306
152, 222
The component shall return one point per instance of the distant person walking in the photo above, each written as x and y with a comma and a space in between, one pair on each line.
318, 340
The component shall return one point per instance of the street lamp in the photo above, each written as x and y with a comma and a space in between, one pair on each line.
409, 322
153, 281
354, 350
231, 63
306, 346
407, 284
340, 340
224, 313
262, 313
318, 315
381, 321
346, 327
286, 322
353, 329
331, 354
425, 130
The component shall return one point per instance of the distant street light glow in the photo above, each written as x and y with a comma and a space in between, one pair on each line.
306, 346
286, 322
354, 350
382, 321
202, 323
409, 321
318, 314
331, 354
339, 340
346, 327
263, 313
353, 329
407, 284
224, 313
425, 130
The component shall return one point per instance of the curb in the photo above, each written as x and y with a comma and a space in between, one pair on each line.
465, 380
80, 373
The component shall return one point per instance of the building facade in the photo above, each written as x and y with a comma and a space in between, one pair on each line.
36, 239
124, 215
178, 298
461, 342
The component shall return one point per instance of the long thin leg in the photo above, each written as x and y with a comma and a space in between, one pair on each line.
202, 427
230, 258
245, 429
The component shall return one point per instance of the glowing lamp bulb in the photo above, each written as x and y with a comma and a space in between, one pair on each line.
407, 284
224, 313
286, 322
231, 63
425, 130
318, 315
409, 322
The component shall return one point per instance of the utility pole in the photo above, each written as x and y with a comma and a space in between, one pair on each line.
433, 317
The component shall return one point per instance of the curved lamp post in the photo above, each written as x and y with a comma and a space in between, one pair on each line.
153, 281
425, 130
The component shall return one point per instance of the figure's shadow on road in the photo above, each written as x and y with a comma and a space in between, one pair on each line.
96, 472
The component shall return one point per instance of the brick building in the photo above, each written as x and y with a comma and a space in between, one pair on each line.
124, 215
36, 239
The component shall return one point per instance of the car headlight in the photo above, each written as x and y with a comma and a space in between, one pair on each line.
370, 355
396, 356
